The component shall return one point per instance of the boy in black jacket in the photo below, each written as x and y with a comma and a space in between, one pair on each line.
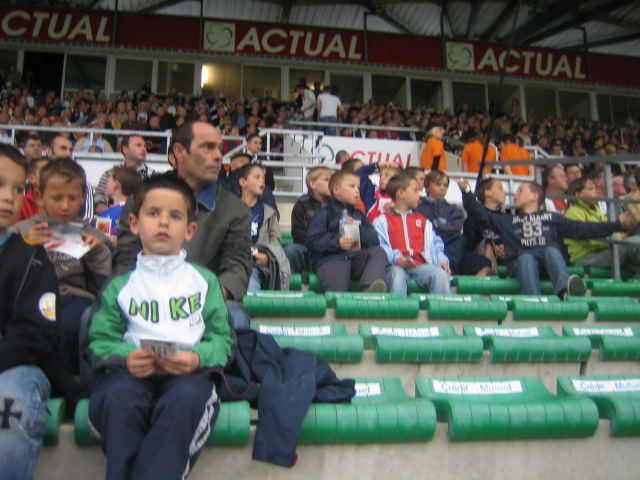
29, 366
531, 238
302, 213
338, 258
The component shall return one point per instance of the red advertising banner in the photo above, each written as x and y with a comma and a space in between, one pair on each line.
56, 26
615, 69
405, 50
524, 62
283, 41
158, 31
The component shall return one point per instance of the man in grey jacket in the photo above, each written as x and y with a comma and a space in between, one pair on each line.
222, 242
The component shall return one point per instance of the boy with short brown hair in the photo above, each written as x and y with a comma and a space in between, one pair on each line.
337, 258
63, 189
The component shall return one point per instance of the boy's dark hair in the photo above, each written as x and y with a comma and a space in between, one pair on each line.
535, 187
413, 171
169, 181
508, 137
577, 186
483, 186
66, 168
400, 181
33, 164
339, 177
129, 179
350, 165
434, 176
14, 155
245, 171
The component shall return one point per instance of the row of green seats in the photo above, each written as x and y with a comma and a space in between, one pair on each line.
441, 343
475, 408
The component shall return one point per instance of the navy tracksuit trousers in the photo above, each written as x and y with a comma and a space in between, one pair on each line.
155, 427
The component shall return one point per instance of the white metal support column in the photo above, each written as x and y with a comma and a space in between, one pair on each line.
407, 88
447, 94
284, 84
197, 78
20, 60
593, 100
523, 103
154, 75
558, 109
110, 87
367, 87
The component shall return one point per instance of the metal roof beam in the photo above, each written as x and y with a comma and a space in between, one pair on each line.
379, 11
473, 17
500, 21
543, 19
605, 42
160, 5
584, 17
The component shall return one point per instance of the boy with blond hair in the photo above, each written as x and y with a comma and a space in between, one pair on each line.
337, 258
303, 211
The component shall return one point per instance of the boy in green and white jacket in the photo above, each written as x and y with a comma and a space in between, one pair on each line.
155, 408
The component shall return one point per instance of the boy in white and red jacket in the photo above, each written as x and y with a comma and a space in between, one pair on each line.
413, 248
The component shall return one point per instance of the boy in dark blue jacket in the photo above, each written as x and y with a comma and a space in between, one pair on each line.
531, 238
337, 258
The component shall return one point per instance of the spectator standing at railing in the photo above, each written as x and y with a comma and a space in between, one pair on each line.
472, 155
307, 101
329, 107
433, 156
509, 150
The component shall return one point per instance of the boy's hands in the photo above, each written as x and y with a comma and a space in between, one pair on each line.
500, 250
261, 258
181, 364
141, 363
406, 262
346, 242
625, 219
462, 183
40, 233
90, 240
445, 267
387, 165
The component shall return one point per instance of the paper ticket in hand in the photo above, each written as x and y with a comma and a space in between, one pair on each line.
161, 349
67, 238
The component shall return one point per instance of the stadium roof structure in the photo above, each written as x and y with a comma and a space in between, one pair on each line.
609, 26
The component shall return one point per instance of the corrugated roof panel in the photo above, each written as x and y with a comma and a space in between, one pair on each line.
419, 18
377, 24
459, 16
525, 14
335, 16
626, 48
488, 13
596, 31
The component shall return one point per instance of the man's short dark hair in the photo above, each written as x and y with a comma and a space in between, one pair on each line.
183, 135
547, 173
340, 155
31, 136
128, 177
400, 181
52, 140
252, 136
596, 174
14, 155
535, 187
169, 181
127, 138
33, 164
508, 137
350, 165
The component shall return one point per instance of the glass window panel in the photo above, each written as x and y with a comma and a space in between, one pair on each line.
473, 94
347, 87
619, 109
8, 58
313, 78
173, 75
427, 92
261, 79
389, 89
575, 104
86, 71
219, 78
604, 108
634, 108
542, 101
132, 74
509, 93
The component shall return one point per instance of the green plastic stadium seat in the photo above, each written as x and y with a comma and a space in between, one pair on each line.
420, 343
267, 303
611, 309
461, 307
333, 296
375, 306
614, 343
532, 307
504, 408
233, 426
617, 398
598, 272
331, 342
485, 285
296, 282
312, 280
613, 288
381, 412
529, 344
54, 416
413, 287
503, 271
287, 239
